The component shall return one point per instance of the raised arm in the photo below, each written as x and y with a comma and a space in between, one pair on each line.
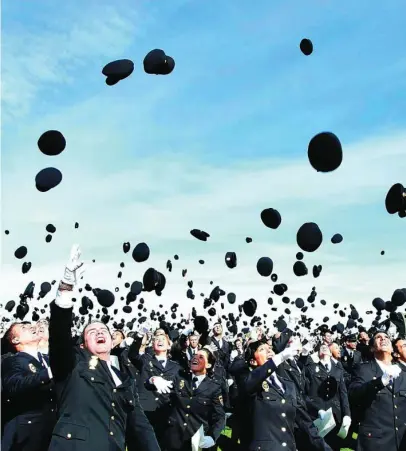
61, 351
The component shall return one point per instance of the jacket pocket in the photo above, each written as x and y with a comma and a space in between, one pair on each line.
370, 433
71, 431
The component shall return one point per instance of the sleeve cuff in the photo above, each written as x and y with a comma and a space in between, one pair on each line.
64, 299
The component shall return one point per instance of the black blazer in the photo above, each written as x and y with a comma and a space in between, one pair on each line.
319, 394
94, 414
29, 404
382, 409
275, 414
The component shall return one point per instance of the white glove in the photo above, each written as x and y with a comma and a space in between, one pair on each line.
292, 350
321, 414
345, 426
128, 341
292, 321
390, 373
307, 348
395, 371
254, 335
233, 355
161, 385
207, 442
230, 382
73, 264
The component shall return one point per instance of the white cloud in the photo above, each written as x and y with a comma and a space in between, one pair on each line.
175, 195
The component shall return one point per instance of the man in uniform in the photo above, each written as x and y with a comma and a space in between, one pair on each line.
350, 357
325, 389
379, 387
29, 405
399, 352
99, 409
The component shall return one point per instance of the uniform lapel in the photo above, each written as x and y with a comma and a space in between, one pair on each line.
204, 385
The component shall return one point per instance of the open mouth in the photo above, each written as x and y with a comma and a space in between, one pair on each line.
194, 361
100, 340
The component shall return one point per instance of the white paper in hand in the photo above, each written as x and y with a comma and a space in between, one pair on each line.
197, 438
326, 423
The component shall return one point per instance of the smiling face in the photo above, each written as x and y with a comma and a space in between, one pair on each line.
199, 364
400, 350
263, 353
117, 338
160, 343
97, 339
382, 343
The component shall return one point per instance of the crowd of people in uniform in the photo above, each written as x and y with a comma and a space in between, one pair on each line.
151, 390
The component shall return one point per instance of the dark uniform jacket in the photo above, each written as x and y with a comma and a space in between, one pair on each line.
383, 419
325, 389
94, 414
193, 408
126, 366
224, 351
275, 414
291, 370
29, 404
349, 362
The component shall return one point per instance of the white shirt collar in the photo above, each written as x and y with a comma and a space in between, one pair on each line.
383, 366
32, 353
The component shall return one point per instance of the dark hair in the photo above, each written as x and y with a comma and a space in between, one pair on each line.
7, 340
372, 339
211, 359
252, 349
394, 343
82, 335
120, 332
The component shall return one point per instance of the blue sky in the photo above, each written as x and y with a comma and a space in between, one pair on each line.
211, 145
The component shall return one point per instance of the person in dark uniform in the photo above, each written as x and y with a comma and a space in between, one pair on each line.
98, 406
274, 406
120, 353
350, 357
325, 389
29, 404
196, 401
155, 405
379, 387
363, 346
399, 352
222, 353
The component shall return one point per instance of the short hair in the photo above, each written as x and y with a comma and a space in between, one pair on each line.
395, 342
120, 332
372, 339
8, 337
252, 349
211, 359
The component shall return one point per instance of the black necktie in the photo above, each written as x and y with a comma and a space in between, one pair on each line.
41, 359
326, 366
162, 362
195, 380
